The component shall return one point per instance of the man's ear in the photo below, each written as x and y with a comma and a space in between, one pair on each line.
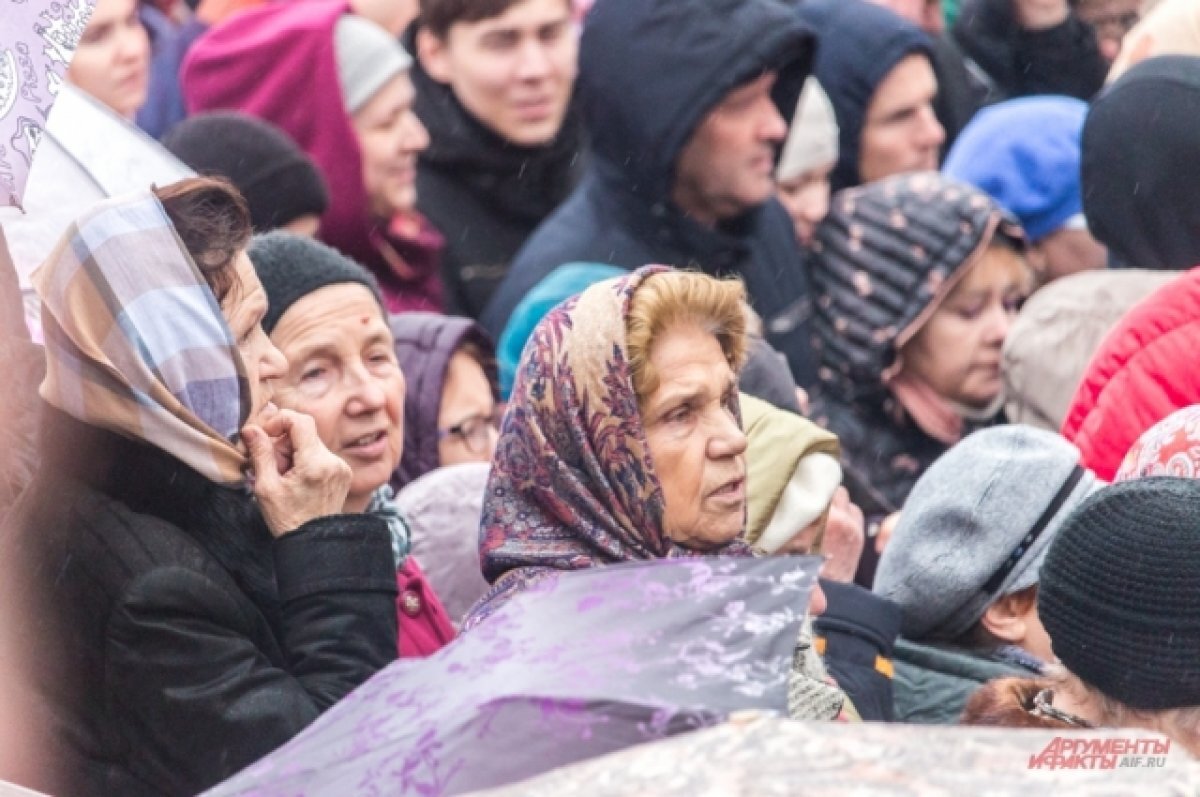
1005, 619
433, 55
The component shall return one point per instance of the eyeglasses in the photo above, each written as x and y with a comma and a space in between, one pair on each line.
475, 431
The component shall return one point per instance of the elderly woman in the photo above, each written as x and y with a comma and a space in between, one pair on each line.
182, 631
450, 411
623, 440
327, 317
918, 279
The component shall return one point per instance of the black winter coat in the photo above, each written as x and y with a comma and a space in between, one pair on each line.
1013, 62
176, 640
697, 51
485, 195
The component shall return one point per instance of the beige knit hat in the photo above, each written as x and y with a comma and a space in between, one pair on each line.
812, 140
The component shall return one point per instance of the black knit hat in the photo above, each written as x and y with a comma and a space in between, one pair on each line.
1120, 596
277, 179
291, 266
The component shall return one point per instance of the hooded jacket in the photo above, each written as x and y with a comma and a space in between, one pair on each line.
1015, 62
1141, 201
484, 194
861, 43
622, 213
1070, 317
885, 257
277, 62
443, 509
425, 342
1142, 372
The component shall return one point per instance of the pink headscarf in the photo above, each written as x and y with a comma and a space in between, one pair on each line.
277, 62
1169, 448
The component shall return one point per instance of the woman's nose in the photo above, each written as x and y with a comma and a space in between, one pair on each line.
728, 439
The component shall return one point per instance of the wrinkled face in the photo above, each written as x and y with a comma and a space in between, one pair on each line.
806, 199
695, 441
343, 372
513, 72
112, 61
727, 167
900, 132
467, 414
244, 307
389, 137
957, 352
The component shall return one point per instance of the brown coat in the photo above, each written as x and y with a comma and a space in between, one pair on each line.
1006, 703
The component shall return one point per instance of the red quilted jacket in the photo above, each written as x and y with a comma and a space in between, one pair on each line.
1147, 367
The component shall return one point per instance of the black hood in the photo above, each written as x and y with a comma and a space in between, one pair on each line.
1141, 165
650, 70
861, 43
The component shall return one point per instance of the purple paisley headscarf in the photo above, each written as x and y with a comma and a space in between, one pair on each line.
572, 483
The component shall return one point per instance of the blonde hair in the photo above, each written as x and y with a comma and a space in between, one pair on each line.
678, 298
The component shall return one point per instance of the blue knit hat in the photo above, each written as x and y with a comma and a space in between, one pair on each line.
559, 285
1025, 154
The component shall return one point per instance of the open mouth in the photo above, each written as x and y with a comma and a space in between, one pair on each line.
367, 444
731, 489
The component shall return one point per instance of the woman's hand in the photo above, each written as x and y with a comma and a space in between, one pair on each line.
296, 478
845, 535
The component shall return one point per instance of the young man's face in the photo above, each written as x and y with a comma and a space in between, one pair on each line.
513, 72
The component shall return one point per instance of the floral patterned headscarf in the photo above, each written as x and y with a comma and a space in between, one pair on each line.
1169, 448
572, 484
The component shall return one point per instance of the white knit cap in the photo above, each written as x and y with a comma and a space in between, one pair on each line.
812, 140
367, 58
806, 497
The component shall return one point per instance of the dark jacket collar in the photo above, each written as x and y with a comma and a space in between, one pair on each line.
224, 521
524, 182
715, 250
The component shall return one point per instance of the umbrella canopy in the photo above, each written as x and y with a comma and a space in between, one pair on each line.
583, 664
37, 40
87, 153
768, 757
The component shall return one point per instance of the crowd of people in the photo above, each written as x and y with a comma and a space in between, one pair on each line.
467, 294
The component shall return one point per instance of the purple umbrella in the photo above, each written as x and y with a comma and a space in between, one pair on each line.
37, 39
583, 664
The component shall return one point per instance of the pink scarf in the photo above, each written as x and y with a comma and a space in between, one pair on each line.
277, 62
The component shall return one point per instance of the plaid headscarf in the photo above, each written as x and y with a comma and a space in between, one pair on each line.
135, 340
572, 483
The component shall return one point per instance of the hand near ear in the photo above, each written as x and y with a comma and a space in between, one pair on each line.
296, 478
